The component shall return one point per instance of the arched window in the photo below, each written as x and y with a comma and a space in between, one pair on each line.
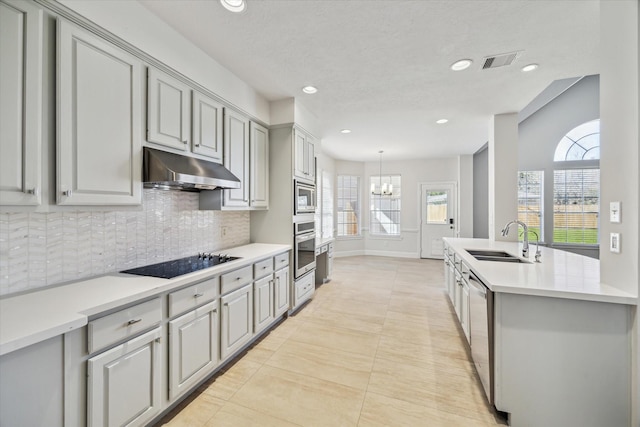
580, 143
576, 186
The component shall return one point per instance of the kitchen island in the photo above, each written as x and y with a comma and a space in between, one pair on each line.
559, 340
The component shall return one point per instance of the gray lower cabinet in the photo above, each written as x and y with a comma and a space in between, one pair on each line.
281, 291
193, 348
123, 384
263, 303
236, 321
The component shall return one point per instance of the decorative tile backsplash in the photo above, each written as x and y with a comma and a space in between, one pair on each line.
42, 249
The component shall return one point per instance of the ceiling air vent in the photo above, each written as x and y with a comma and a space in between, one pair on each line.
499, 60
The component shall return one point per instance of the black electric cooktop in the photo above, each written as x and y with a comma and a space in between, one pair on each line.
178, 267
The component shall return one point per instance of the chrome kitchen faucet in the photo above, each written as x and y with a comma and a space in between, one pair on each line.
525, 239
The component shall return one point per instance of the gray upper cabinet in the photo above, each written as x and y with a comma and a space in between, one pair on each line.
99, 141
259, 160
20, 103
207, 126
236, 157
168, 111
304, 157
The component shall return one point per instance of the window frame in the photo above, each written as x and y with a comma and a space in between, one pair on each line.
358, 211
541, 210
374, 180
577, 165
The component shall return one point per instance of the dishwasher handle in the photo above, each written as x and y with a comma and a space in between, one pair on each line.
477, 285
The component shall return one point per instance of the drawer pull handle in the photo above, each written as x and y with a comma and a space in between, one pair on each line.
264, 267
133, 321
197, 295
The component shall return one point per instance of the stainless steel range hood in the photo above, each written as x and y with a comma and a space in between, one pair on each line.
169, 171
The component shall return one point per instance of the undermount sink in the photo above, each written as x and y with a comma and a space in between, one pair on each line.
499, 256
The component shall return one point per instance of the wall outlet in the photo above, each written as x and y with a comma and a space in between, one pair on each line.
224, 231
614, 242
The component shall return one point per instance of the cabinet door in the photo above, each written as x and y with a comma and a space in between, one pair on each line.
20, 103
300, 159
464, 309
193, 348
259, 187
236, 157
281, 291
207, 127
99, 143
262, 303
123, 384
310, 155
236, 322
168, 111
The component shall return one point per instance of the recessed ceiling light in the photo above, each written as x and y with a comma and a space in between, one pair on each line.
529, 67
442, 121
236, 6
309, 89
345, 131
463, 64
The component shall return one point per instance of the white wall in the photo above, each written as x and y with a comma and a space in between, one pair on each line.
620, 136
465, 196
130, 21
503, 168
413, 173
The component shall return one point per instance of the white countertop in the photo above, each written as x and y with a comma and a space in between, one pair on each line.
321, 241
561, 274
33, 317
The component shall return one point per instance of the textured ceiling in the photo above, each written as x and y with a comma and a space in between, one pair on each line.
382, 66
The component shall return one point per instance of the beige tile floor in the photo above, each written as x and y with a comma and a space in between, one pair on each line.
377, 346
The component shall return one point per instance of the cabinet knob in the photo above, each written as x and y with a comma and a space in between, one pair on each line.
32, 191
67, 193
197, 145
185, 142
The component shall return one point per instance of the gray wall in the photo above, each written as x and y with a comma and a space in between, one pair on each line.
481, 193
540, 133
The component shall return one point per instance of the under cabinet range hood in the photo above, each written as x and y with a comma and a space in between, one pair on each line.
169, 171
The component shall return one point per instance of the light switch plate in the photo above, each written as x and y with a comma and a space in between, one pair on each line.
614, 212
614, 242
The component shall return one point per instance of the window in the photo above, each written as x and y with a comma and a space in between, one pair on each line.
384, 216
327, 205
576, 186
576, 201
437, 203
530, 209
348, 210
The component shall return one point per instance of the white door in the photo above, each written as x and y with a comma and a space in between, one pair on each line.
207, 127
236, 157
262, 303
99, 142
20, 103
123, 384
168, 109
236, 320
281, 291
439, 217
259, 188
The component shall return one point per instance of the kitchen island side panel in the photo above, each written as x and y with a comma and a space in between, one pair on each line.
562, 362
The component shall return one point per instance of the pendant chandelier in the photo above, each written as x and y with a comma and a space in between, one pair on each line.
386, 189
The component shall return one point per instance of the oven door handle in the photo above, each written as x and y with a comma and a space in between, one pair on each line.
304, 238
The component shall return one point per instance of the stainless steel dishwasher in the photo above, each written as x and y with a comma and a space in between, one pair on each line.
481, 331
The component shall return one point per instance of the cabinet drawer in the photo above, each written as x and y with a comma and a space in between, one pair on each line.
263, 268
122, 324
280, 260
193, 296
304, 288
235, 279
324, 249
